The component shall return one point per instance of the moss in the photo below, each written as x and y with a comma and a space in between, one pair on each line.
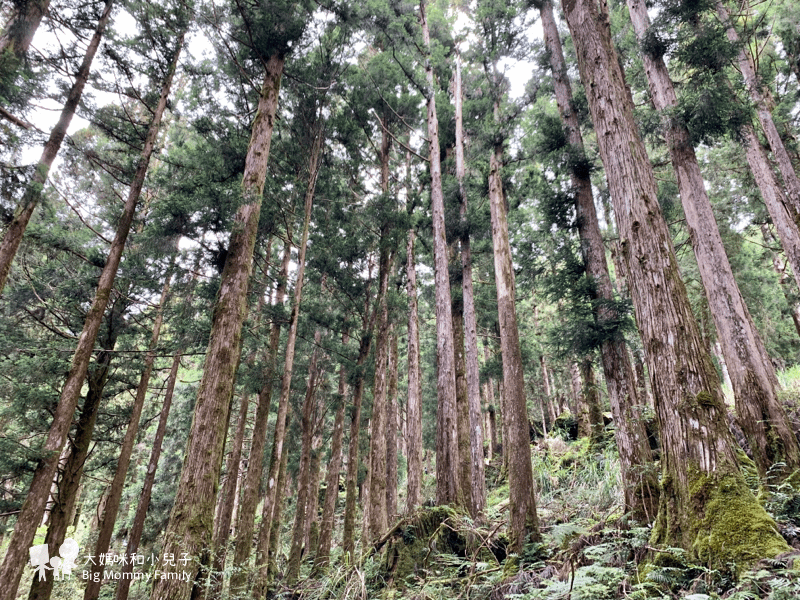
734, 529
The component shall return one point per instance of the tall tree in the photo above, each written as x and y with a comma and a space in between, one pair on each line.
190, 525
761, 416
705, 505
448, 488
31, 512
33, 192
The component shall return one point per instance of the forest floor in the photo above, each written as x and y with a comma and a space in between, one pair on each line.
590, 550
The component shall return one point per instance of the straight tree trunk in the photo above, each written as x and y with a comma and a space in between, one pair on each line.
227, 501
462, 401
304, 472
135, 534
376, 518
70, 480
391, 430
16, 39
323, 553
705, 505
591, 402
791, 181
523, 523
753, 378
447, 484
477, 497
245, 524
636, 459
272, 499
780, 267
108, 517
413, 402
32, 509
191, 522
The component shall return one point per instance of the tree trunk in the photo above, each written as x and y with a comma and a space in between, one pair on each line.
636, 460
752, 376
413, 403
391, 430
191, 521
523, 523
462, 402
18, 35
304, 472
272, 499
245, 523
31, 512
322, 556
70, 480
705, 505
109, 516
227, 501
477, 496
447, 484
780, 267
746, 67
591, 402
135, 535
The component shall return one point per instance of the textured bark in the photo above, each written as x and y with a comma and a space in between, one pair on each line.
774, 199
780, 267
227, 501
698, 458
447, 484
752, 375
18, 31
392, 429
477, 496
135, 534
323, 553
245, 523
462, 401
71, 474
523, 523
413, 402
191, 522
591, 402
304, 472
272, 499
636, 460
759, 97
108, 518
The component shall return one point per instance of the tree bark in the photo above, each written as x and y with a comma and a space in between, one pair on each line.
780, 267
19, 31
636, 460
753, 378
391, 430
447, 484
701, 476
413, 402
758, 96
33, 192
304, 472
322, 556
191, 521
477, 497
462, 401
32, 509
271, 499
69, 481
245, 523
523, 523
135, 535
108, 517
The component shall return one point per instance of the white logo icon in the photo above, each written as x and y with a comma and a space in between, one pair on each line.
60, 565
